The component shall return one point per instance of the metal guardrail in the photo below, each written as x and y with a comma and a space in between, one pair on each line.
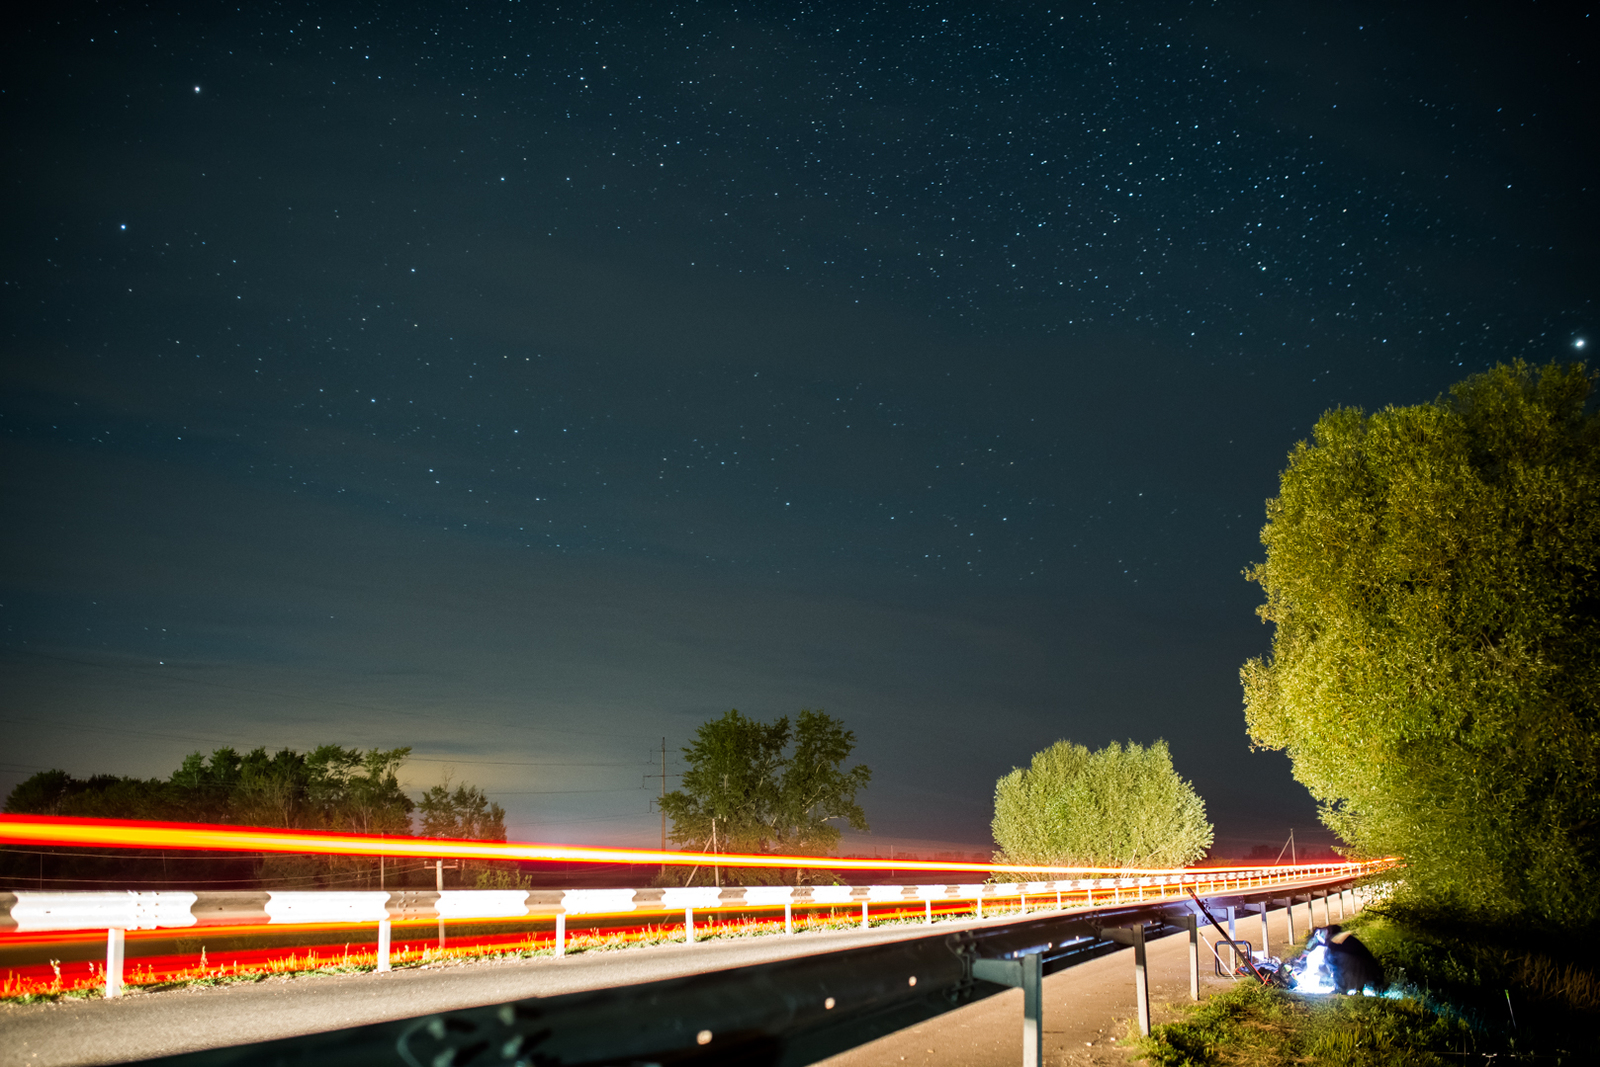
25, 910
788, 1012
29, 911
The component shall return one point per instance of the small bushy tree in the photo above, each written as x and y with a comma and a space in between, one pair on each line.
1117, 807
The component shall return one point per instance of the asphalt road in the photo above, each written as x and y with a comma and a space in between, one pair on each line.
1086, 1007
146, 1024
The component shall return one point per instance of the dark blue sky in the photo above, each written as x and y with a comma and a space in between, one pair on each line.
526, 382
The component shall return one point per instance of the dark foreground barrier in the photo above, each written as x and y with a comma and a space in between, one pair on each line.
788, 1012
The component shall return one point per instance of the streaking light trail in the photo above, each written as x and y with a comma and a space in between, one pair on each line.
129, 833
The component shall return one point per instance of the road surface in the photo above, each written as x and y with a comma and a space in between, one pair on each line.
1086, 1007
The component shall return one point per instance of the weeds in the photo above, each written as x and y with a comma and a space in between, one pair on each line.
1258, 1026
1456, 995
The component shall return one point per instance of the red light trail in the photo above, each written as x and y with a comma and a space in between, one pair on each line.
128, 833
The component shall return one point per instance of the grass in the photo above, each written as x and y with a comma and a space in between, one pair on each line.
1457, 995
1262, 1026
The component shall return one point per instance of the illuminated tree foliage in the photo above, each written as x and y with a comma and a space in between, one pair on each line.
748, 790
1431, 574
1117, 807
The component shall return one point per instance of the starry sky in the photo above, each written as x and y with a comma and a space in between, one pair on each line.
528, 383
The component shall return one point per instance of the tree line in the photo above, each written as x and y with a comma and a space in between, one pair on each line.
330, 788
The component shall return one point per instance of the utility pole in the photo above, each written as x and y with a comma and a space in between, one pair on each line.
662, 803
1288, 846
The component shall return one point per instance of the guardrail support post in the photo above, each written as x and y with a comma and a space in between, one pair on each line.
1193, 922
1266, 945
980, 907
561, 934
927, 911
788, 918
1289, 911
1032, 1010
688, 926
864, 924
1232, 933
383, 943
1028, 973
1341, 904
115, 939
1141, 980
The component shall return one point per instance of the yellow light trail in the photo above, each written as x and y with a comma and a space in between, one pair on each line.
130, 833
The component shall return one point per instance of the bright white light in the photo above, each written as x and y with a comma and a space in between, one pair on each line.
1313, 973
1579, 342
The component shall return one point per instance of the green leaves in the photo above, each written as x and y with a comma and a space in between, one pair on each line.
332, 788
466, 813
746, 791
1118, 807
1431, 573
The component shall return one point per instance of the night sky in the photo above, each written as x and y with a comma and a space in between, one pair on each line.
525, 383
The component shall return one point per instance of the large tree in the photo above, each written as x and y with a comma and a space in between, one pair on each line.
1435, 668
746, 790
1116, 807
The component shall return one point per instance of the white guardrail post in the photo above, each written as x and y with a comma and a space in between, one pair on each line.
561, 934
116, 940
384, 931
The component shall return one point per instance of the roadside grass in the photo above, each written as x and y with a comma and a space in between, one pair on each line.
1261, 1026
1457, 995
